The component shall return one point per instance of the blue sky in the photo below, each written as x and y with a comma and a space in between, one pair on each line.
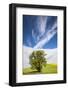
40, 31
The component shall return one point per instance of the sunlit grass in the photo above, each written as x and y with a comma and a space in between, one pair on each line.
48, 69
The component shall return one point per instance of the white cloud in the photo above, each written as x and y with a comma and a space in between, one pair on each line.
33, 34
29, 42
41, 26
54, 26
47, 38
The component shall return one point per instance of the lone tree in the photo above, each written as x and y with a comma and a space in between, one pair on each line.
37, 60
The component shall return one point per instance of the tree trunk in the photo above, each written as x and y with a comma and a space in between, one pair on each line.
39, 69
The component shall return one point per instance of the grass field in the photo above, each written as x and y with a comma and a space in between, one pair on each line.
48, 69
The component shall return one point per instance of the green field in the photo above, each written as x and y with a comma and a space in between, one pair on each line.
48, 69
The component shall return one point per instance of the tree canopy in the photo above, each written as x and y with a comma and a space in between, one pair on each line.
37, 59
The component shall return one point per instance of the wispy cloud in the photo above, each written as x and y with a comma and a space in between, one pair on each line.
47, 38
54, 26
29, 42
42, 25
41, 28
33, 34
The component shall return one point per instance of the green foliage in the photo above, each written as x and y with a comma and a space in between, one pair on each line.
37, 59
